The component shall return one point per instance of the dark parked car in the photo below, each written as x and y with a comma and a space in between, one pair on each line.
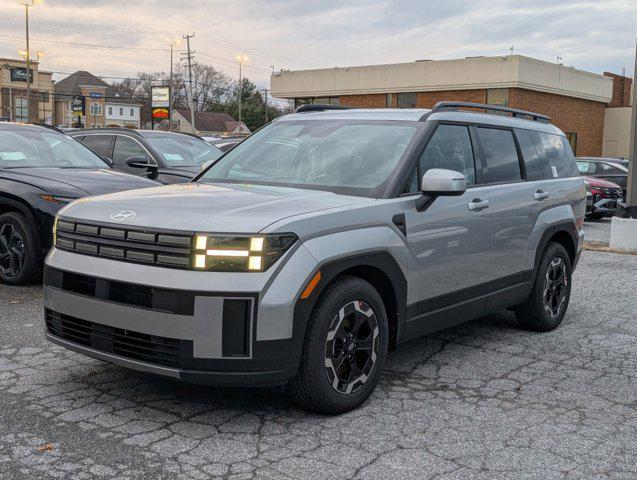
41, 170
612, 169
162, 156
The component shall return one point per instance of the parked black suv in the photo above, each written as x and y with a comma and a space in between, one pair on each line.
162, 156
41, 170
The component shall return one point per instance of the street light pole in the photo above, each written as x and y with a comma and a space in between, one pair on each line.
240, 59
27, 56
172, 43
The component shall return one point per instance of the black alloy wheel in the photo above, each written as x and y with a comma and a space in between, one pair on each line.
555, 287
12, 250
351, 348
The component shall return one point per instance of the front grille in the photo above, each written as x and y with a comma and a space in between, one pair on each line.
125, 244
612, 192
125, 343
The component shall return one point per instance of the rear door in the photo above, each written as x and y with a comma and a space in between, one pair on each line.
99, 143
451, 240
515, 203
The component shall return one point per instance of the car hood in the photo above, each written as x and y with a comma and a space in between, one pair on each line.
78, 182
208, 207
599, 182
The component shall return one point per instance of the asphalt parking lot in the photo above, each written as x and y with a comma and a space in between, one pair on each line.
485, 400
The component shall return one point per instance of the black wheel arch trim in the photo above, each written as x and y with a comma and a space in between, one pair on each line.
381, 260
563, 226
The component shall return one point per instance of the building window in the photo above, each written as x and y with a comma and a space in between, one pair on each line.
44, 97
298, 102
406, 100
121, 112
498, 96
389, 100
96, 109
110, 111
132, 112
21, 110
572, 139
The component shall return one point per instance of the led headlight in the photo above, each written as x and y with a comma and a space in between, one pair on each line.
235, 253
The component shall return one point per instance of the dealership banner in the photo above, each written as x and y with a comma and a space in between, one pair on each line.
19, 74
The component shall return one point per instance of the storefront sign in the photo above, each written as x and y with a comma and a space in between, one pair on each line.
160, 113
19, 74
77, 106
160, 97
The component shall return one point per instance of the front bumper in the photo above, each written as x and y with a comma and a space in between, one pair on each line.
201, 327
606, 206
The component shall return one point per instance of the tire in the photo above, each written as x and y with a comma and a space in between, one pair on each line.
345, 303
595, 216
20, 251
546, 306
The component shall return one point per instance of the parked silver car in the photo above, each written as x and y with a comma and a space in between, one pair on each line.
320, 242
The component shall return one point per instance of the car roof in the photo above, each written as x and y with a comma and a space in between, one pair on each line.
421, 114
130, 131
28, 126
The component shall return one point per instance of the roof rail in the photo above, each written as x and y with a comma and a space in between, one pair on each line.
538, 117
317, 107
50, 127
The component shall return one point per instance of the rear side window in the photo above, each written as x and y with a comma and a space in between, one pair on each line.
98, 143
450, 148
500, 155
532, 161
558, 160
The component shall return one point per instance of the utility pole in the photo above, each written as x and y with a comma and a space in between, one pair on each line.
26, 7
189, 56
265, 94
241, 59
172, 43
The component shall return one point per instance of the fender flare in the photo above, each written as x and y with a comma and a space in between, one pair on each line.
563, 226
381, 260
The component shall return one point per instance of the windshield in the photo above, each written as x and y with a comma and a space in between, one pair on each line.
183, 151
33, 148
336, 155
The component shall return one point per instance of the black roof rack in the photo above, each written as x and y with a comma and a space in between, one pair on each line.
50, 127
317, 107
538, 117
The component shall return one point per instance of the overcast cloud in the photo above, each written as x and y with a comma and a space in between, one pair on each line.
590, 35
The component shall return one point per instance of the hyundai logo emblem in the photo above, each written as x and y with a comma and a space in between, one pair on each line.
122, 215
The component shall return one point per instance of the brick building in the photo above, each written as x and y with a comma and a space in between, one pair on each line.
13, 92
574, 99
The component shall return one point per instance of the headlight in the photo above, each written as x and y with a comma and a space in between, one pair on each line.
239, 253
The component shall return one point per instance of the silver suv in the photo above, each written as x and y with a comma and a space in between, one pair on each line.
323, 240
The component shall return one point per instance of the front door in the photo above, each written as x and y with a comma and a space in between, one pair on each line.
450, 241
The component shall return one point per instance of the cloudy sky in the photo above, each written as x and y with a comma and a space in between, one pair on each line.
115, 38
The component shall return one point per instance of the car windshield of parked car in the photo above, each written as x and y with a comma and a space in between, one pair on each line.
34, 148
329, 155
183, 151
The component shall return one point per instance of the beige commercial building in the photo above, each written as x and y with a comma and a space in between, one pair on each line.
13, 92
575, 100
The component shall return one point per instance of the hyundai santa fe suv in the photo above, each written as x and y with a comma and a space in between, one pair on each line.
323, 240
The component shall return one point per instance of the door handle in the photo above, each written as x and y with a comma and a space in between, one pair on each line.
541, 195
478, 204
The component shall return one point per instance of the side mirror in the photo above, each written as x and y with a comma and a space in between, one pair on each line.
442, 182
140, 162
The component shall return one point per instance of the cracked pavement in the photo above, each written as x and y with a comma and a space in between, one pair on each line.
484, 400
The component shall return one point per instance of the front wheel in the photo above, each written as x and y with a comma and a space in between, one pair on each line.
20, 260
546, 306
344, 350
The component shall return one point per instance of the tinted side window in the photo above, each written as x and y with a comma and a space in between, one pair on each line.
98, 143
450, 148
558, 160
500, 154
126, 148
529, 154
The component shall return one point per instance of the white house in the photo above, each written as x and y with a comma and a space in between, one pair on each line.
121, 112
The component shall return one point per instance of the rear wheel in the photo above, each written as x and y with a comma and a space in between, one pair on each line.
344, 350
20, 258
551, 292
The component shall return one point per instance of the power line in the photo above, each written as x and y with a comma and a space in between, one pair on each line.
60, 43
